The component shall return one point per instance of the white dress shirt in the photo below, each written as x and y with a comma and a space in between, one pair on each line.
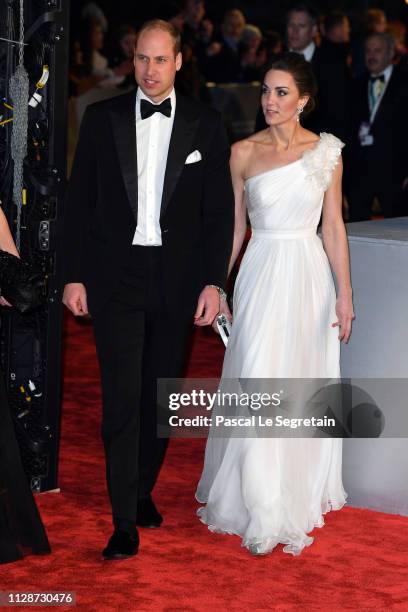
378, 96
307, 51
152, 141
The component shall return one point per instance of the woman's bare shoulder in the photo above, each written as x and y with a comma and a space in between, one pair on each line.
242, 150
309, 137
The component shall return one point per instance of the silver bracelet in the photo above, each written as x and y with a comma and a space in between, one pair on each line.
221, 292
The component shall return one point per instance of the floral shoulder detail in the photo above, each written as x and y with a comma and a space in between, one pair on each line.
321, 161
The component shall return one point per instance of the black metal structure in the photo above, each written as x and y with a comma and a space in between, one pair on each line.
30, 345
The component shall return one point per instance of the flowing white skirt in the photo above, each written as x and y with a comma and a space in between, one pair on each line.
276, 490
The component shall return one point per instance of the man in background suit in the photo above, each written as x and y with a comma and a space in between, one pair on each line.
301, 31
378, 158
333, 77
149, 230
329, 64
223, 65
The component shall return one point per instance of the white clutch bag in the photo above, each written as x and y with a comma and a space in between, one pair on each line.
224, 328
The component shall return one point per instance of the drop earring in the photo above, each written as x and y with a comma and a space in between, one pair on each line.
299, 111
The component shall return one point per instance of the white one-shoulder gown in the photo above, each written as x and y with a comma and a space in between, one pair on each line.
276, 490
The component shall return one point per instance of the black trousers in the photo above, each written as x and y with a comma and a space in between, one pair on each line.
137, 340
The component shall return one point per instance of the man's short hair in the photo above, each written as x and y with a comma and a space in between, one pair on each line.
304, 7
164, 26
232, 13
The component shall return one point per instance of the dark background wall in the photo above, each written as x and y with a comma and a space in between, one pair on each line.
266, 13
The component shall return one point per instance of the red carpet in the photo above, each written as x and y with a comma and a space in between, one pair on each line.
358, 560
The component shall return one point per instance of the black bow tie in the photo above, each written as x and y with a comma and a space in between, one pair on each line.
147, 109
380, 77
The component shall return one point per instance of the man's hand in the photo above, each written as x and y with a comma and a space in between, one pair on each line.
74, 298
3, 301
208, 306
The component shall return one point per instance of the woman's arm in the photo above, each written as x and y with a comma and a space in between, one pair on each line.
237, 165
336, 246
6, 239
6, 244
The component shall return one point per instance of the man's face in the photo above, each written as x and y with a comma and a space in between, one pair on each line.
178, 21
381, 24
233, 25
155, 64
342, 31
195, 10
300, 31
377, 55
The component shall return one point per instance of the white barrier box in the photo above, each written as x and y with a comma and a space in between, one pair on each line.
375, 470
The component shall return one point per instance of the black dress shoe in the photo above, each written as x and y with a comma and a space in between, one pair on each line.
121, 545
147, 514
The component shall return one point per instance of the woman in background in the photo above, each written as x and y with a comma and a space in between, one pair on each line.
121, 54
21, 529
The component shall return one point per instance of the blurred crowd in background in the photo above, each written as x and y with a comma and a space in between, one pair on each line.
360, 65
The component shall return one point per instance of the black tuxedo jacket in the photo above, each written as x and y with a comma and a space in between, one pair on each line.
387, 156
197, 209
333, 76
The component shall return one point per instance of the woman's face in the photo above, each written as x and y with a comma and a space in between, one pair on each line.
97, 37
127, 44
280, 98
77, 55
254, 42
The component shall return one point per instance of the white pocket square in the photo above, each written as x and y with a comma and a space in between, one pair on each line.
194, 157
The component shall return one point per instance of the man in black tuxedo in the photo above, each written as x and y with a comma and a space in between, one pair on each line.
149, 230
333, 76
329, 64
378, 160
301, 31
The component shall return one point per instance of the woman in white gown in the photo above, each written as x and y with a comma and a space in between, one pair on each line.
287, 321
